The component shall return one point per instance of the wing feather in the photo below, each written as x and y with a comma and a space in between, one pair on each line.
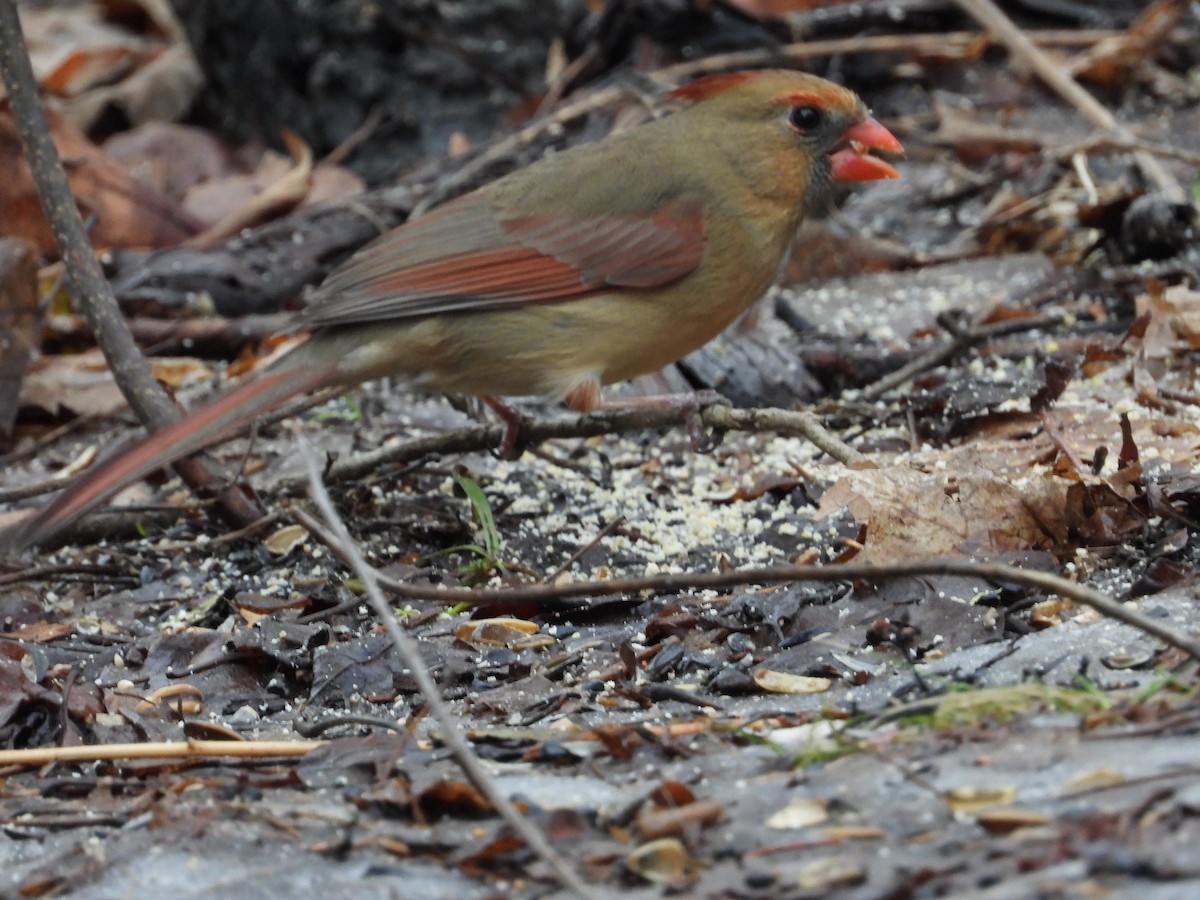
468, 255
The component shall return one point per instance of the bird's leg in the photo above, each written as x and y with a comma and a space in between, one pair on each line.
511, 445
587, 398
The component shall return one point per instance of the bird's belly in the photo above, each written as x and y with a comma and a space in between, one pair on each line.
548, 349
553, 348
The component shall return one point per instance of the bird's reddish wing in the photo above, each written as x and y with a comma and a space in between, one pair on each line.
468, 256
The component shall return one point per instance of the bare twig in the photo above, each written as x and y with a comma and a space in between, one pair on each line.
41, 573
947, 351
201, 336
553, 595
1107, 143
505, 149
410, 656
556, 595
188, 749
322, 533
790, 53
273, 201
1019, 45
49, 485
927, 44
1052, 431
229, 537
86, 280
600, 535
473, 438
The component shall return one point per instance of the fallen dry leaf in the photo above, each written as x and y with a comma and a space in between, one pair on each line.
800, 813
276, 188
82, 383
19, 318
1006, 821
170, 158
973, 800
787, 683
664, 861
282, 542
498, 632
1173, 320
127, 214
911, 514
161, 88
830, 872
1112, 63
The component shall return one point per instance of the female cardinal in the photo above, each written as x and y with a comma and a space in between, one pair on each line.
590, 266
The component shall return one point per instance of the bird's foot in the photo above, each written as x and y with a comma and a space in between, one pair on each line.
689, 404
701, 439
512, 444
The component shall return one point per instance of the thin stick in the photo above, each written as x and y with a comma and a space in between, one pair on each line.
1107, 143
84, 276
789, 53
550, 595
602, 422
410, 656
878, 43
1019, 45
945, 352
189, 749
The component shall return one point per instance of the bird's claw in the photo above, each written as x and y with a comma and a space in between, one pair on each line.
515, 439
702, 440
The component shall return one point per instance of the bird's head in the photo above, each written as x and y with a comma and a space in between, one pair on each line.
767, 113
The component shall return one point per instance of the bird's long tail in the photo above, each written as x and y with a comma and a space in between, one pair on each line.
207, 425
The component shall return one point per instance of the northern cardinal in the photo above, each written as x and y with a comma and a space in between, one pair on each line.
590, 266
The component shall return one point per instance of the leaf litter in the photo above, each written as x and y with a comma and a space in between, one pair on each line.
980, 733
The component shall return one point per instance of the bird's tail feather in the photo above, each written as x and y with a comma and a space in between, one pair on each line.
198, 429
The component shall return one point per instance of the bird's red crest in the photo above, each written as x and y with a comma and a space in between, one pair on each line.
709, 86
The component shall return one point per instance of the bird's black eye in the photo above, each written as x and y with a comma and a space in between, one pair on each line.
805, 118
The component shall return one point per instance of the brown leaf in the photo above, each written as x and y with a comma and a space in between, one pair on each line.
1129, 451
1099, 516
453, 795
170, 158
501, 631
621, 741
672, 793
787, 683
282, 190
276, 186
160, 88
1006, 821
127, 213
1111, 63
19, 320
83, 384
1174, 321
1058, 377
909, 513
657, 822
664, 861
86, 67
40, 632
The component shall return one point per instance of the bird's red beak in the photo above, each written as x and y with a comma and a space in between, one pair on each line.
852, 160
